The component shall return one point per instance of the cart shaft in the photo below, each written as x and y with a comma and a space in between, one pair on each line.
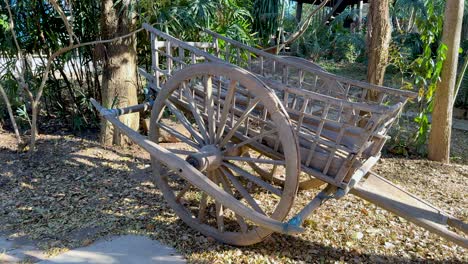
387, 195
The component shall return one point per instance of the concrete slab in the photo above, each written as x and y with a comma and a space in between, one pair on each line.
121, 249
460, 124
19, 249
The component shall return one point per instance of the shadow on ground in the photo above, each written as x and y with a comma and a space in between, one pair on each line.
74, 191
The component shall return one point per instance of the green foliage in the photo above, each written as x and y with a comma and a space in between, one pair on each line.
425, 69
4, 22
266, 18
22, 114
336, 42
348, 47
184, 19
40, 32
418, 56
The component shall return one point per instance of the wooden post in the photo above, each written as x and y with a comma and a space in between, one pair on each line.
155, 59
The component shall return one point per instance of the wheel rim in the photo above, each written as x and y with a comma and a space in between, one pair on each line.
219, 128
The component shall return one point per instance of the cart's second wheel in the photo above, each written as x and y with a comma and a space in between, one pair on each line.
225, 111
274, 174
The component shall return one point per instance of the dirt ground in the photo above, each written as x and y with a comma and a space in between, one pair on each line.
73, 191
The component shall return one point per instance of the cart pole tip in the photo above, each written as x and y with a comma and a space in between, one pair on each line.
293, 226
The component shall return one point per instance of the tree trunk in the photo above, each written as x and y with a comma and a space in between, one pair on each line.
439, 138
299, 11
34, 130
119, 80
10, 113
378, 42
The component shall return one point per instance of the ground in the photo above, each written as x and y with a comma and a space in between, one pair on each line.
73, 191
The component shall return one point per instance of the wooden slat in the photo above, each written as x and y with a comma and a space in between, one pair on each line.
201, 45
253, 179
182, 44
155, 60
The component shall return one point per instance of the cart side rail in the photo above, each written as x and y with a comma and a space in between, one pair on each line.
236, 45
170, 54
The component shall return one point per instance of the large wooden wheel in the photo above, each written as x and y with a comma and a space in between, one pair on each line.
226, 112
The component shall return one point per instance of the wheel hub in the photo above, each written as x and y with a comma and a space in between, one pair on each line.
209, 158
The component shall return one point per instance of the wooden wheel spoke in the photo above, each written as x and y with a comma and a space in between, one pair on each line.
254, 160
183, 192
227, 188
209, 105
250, 200
273, 171
264, 174
242, 224
185, 122
202, 207
253, 179
178, 135
250, 140
226, 107
219, 207
239, 122
195, 112
220, 216
180, 151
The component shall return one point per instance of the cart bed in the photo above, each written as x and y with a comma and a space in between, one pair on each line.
340, 126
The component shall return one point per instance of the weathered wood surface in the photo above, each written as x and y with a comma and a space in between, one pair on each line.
337, 151
387, 195
325, 109
329, 131
175, 163
220, 127
323, 130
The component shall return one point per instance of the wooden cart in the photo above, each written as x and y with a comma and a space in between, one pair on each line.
258, 127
